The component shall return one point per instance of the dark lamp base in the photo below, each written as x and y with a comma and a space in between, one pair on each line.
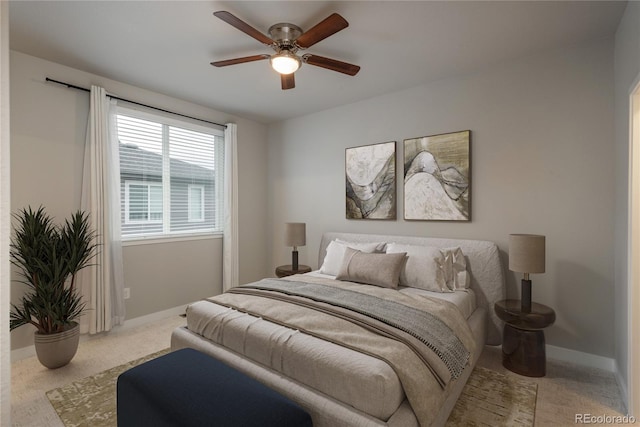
294, 260
526, 296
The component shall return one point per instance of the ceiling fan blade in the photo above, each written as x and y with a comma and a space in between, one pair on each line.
331, 25
288, 81
243, 26
242, 60
331, 64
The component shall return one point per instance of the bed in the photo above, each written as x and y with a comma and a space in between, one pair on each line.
346, 371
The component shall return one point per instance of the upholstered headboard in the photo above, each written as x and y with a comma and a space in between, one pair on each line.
483, 262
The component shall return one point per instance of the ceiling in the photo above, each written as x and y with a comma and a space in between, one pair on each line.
167, 46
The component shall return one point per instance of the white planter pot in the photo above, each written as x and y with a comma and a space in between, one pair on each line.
57, 350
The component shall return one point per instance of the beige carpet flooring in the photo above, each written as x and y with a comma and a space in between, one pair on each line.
30, 380
565, 391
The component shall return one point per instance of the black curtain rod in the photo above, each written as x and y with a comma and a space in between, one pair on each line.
69, 85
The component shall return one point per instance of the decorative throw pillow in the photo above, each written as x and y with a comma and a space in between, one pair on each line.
371, 268
459, 277
335, 254
426, 267
447, 270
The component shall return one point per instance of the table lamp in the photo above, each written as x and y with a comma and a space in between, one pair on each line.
295, 235
526, 255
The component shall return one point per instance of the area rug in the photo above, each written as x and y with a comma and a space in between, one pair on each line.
488, 399
493, 399
91, 401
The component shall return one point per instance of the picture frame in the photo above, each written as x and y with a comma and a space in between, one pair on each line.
437, 177
370, 176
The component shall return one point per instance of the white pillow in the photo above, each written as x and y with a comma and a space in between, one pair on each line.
380, 246
425, 267
335, 254
458, 276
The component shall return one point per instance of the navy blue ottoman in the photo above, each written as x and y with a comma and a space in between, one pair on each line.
188, 388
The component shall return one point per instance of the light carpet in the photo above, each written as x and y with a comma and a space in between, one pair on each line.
488, 399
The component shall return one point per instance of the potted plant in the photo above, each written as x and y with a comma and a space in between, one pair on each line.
48, 257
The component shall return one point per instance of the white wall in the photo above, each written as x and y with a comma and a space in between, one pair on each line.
627, 70
5, 362
48, 125
166, 275
542, 162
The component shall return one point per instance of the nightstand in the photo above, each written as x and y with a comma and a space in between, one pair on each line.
287, 270
523, 345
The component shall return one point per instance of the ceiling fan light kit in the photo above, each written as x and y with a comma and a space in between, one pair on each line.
286, 39
285, 62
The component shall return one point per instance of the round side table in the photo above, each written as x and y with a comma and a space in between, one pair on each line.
287, 270
523, 344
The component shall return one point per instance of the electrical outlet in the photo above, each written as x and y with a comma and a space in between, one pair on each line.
127, 293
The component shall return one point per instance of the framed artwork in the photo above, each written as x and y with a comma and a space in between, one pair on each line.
371, 181
437, 172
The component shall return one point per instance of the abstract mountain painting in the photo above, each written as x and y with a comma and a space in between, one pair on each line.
437, 173
371, 181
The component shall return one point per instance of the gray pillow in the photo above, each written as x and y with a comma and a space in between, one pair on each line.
372, 269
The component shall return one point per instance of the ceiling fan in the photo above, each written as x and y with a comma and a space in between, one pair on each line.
287, 39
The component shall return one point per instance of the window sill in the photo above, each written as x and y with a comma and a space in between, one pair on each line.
170, 239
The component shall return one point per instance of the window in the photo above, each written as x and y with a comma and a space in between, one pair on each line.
196, 203
143, 202
170, 176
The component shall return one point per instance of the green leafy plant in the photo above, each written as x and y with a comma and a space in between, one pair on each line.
48, 257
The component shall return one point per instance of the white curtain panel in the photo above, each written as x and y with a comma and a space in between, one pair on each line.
230, 267
102, 284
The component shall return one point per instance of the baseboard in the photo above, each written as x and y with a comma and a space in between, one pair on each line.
22, 353
29, 351
579, 358
142, 320
622, 385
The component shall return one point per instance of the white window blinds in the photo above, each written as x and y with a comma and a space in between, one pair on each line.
170, 176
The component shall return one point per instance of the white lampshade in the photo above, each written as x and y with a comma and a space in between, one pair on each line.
295, 234
526, 253
285, 62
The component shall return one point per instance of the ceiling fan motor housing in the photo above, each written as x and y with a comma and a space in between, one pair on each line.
285, 34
